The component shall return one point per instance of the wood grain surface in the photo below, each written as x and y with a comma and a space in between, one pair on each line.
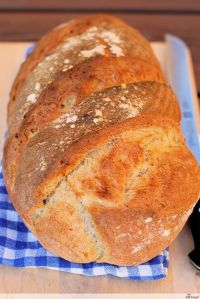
182, 277
103, 5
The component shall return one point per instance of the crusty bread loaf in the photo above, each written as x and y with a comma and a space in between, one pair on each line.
81, 58
120, 40
95, 161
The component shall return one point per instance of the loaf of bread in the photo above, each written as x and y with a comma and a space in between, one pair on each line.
94, 161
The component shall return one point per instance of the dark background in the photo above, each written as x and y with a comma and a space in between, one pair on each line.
28, 20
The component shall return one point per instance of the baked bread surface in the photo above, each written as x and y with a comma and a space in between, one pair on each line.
95, 161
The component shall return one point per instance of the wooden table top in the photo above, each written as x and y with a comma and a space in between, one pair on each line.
29, 20
20, 21
182, 277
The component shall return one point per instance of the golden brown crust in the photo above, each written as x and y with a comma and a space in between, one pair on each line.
41, 171
106, 166
139, 234
75, 28
50, 106
40, 102
158, 202
47, 110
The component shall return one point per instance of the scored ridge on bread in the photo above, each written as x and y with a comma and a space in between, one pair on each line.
122, 56
62, 148
94, 149
35, 188
125, 97
75, 28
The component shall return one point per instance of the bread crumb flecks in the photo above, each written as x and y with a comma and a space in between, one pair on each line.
50, 57
66, 61
97, 119
57, 126
67, 67
123, 98
116, 50
41, 143
43, 165
165, 233
89, 34
133, 111
113, 40
31, 98
59, 60
137, 248
64, 119
71, 118
98, 112
71, 42
100, 49
148, 220
37, 86
107, 99
134, 107
110, 37
124, 235
124, 106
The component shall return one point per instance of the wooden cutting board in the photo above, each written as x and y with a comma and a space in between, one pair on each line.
182, 277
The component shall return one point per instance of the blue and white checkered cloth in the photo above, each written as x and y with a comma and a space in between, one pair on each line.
20, 248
